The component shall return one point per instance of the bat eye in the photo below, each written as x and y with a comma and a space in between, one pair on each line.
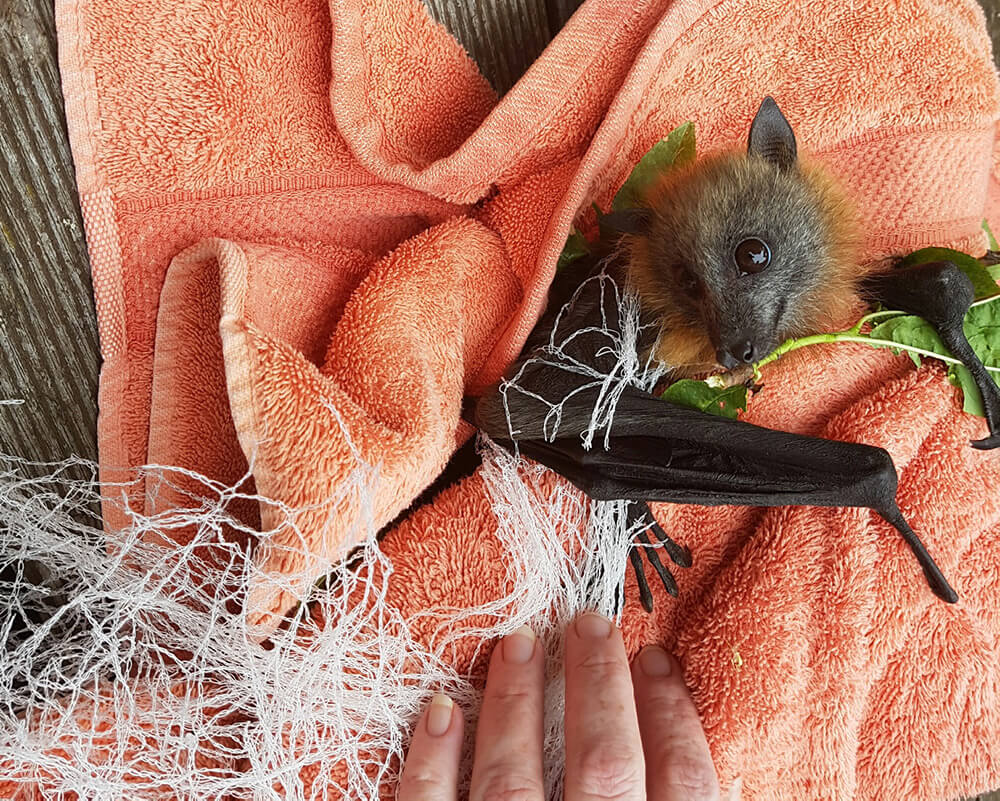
752, 255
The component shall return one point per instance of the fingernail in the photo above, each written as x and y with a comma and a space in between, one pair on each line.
654, 661
593, 626
519, 646
439, 715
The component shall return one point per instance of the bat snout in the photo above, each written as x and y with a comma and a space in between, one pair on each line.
739, 351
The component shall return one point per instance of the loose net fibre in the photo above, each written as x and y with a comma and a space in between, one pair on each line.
122, 677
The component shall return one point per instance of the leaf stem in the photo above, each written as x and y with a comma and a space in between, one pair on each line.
852, 336
875, 315
987, 299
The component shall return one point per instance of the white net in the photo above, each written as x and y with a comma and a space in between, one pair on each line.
617, 328
121, 678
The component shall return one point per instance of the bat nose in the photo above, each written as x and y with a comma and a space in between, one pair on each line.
736, 353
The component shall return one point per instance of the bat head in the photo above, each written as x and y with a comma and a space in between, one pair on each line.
742, 251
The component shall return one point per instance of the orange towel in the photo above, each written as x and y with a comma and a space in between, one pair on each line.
308, 218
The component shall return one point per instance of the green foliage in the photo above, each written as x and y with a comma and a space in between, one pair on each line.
720, 401
677, 150
972, 398
992, 242
982, 329
576, 247
907, 330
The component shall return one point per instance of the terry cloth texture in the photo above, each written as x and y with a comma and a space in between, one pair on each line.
305, 216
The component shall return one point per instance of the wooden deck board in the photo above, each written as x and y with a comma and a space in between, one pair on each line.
48, 331
503, 37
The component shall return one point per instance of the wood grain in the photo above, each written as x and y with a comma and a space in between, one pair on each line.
48, 332
992, 11
560, 11
503, 36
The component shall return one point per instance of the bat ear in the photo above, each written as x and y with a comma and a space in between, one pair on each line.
627, 221
771, 136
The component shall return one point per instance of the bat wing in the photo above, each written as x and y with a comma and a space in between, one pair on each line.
661, 452
653, 450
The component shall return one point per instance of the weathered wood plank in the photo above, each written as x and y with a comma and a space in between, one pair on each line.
560, 11
503, 36
48, 332
992, 10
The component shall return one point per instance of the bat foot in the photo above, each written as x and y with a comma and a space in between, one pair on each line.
679, 555
942, 294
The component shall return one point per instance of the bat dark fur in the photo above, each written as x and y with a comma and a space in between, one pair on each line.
728, 258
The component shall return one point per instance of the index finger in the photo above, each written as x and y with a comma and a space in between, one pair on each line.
603, 750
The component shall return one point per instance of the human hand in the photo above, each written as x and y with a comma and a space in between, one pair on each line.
630, 733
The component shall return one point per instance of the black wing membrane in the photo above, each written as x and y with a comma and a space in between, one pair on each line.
659, 452
655, 451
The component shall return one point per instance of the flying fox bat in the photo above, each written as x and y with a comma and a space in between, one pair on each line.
727, 259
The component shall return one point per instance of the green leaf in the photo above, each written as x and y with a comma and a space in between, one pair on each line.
991, 240
676, 150
982, 282
720, 401
994, 271
982, 329
576, 247
910, 330
972, 398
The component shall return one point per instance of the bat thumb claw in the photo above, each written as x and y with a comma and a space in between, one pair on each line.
942, 589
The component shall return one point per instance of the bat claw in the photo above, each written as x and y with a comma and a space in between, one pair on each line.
645, 594
987, 443
680, 555
683, 557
